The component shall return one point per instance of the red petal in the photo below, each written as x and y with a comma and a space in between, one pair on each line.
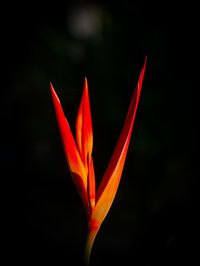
119, 154
84, 137
84, 134
71, 151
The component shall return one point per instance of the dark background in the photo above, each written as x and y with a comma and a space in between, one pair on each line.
153, 220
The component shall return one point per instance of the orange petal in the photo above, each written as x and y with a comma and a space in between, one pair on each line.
71, 151
84, 134
123, 141
84, 137
109, 184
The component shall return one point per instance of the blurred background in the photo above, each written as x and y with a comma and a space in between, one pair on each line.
153, 220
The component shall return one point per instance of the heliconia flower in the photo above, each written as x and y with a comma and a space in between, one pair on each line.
78, 154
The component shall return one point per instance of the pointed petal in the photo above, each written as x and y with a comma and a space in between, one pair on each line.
84, 134
123, 141
84, 137
111, 179
71, 151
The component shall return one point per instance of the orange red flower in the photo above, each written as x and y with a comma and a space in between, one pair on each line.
78, 152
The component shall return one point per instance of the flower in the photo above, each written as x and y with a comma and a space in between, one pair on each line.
78, 154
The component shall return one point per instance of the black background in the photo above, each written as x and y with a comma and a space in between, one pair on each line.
153, 220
